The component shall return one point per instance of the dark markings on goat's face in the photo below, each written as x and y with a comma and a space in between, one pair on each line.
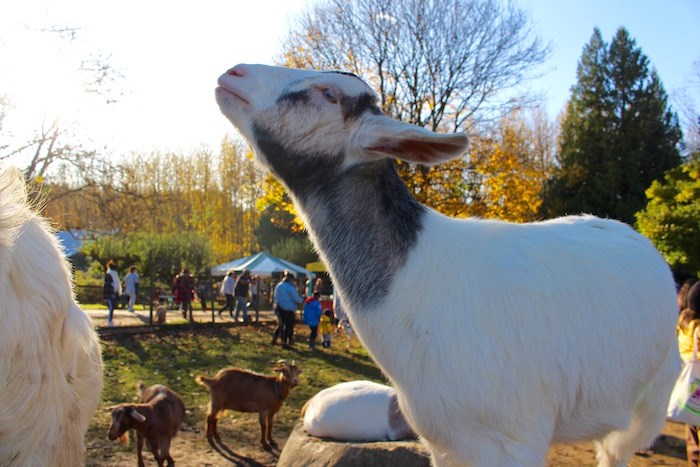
354, 107
296, 97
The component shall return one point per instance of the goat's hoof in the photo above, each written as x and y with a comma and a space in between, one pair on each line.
273, 443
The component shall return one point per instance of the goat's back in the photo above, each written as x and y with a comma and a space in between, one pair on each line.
50, 360
168, 408
559, 326
244, 391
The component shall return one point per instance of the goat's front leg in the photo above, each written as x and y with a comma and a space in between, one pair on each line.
269, 429
263, 429
139, 448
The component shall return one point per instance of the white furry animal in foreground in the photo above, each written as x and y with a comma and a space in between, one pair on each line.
356, 411
50, 360
499, 338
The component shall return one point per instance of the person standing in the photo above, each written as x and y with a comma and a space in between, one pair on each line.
241, 295
111, 290
183, 290
312, 316
287, 299
131, 284
228, 286
688, 325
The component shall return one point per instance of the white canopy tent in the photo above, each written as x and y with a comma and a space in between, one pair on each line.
260, 264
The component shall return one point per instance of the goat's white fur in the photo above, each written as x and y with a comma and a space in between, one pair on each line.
50, 360
356, 411
498, 338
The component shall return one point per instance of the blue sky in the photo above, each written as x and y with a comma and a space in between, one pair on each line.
668, 32
171, 54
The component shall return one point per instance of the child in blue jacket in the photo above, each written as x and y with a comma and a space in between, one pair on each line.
312, 316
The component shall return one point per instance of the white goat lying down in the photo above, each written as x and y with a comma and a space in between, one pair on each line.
50, 360
356, 411
499, 338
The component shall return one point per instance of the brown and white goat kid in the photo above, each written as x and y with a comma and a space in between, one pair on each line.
50, 358
245, 391
566, 327
156, 419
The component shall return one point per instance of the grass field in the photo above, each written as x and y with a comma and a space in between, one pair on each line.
175, 358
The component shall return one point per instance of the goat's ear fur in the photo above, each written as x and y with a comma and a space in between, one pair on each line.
386, 137
137, 416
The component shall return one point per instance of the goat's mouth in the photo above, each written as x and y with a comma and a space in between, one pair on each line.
229, 94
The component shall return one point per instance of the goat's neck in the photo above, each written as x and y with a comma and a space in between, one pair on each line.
282, 387
364, 222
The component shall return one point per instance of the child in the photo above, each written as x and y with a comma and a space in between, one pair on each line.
326, 326
312, 315
160, 312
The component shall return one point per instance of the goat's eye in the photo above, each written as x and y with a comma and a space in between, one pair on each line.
329, 94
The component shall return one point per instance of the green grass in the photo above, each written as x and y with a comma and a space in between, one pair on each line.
175, 358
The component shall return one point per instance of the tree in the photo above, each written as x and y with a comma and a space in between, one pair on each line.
202, 192
511, 166
158, 256
618, 134
671, 218
440, 64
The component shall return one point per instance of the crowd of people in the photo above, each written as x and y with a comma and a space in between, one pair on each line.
239, 292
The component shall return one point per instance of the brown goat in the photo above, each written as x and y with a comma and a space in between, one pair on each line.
156, 419
245, 391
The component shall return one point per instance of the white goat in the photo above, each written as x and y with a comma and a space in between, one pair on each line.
499, 338
356, 411
50, 360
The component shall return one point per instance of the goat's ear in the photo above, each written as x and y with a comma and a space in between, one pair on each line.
137, 416
386, 137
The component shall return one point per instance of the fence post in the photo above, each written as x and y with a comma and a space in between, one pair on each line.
150, 301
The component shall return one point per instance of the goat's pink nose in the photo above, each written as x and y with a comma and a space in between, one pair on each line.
238, 70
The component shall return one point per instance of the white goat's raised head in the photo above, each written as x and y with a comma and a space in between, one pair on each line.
321, 119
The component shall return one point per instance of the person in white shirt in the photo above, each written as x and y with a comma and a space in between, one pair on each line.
112, 290
228, 287
131, 282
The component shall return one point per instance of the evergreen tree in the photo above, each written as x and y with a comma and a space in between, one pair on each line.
618, 134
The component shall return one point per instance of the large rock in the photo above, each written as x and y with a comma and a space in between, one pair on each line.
303, 450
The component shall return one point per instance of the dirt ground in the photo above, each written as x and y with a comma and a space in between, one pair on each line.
191, 448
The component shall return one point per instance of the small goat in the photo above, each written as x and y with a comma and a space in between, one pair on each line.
564, 327
245, 391
156, 419
356, 411
50, 357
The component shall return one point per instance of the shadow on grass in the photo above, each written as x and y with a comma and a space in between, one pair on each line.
234, 457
